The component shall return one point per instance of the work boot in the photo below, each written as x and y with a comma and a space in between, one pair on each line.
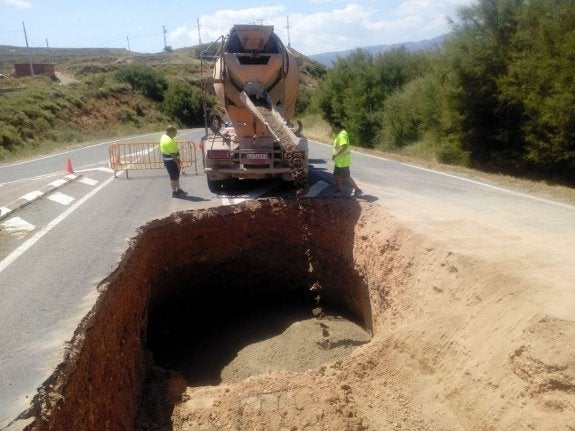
178, 193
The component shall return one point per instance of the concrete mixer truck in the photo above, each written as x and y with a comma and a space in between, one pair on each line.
255, 80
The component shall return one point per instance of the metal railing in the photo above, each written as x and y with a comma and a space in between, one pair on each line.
146, 155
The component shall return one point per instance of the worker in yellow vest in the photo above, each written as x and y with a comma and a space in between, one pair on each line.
171, 158
341, 151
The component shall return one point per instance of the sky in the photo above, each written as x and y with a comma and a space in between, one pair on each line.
310, 27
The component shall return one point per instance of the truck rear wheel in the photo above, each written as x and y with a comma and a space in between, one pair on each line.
215, 186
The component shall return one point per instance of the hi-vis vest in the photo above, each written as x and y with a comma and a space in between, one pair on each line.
168, 146
344, 159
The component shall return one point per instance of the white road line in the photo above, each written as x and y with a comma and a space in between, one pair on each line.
61, 198
316, 189
17, 224
4, 211
254, 194
88, 181
107, 170
101, 169
32, 195
57, 183
39, 177
43, 231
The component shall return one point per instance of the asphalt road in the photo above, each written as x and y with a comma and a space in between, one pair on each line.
55, 251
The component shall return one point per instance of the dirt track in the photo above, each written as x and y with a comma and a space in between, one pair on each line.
459, 343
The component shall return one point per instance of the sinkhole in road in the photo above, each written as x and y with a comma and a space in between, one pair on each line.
211, 296
208, 323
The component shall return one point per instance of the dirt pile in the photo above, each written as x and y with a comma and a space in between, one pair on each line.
458, 344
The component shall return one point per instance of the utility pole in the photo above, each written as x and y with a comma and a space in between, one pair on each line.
287, 27
165, 44
128, 39
199, 34
49, 53
28, 49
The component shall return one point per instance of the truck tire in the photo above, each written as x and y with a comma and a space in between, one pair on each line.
215, 186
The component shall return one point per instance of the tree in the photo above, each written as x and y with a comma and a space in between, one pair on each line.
490, 127
354, 90
540, 79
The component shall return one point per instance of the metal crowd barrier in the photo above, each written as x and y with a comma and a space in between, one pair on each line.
146, 155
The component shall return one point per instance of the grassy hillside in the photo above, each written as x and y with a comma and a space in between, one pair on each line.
95, 97
86, 101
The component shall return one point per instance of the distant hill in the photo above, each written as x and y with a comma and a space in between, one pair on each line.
328, 58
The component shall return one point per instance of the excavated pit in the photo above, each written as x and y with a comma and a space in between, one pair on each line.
434, 340
195, 289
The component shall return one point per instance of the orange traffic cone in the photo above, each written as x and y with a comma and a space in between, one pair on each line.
69, 168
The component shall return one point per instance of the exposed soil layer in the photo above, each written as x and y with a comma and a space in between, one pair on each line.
457, 343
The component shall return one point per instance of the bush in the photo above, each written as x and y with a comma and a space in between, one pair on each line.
355, 89
183, 102
316, 70
303, 102
144, 79
96, 81
420, 107
447, 151
9, 138
125, 115
451, 153
4, 154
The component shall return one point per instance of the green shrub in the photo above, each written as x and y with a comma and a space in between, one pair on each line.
69, 135
9, 138
400, 122
420, 107
451, 153
126, 115
184, 102
36, 112
4, 153
303, 101
96, 81
144, 79
316, 70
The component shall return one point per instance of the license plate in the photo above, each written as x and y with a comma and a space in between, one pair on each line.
218, 154
257, 156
